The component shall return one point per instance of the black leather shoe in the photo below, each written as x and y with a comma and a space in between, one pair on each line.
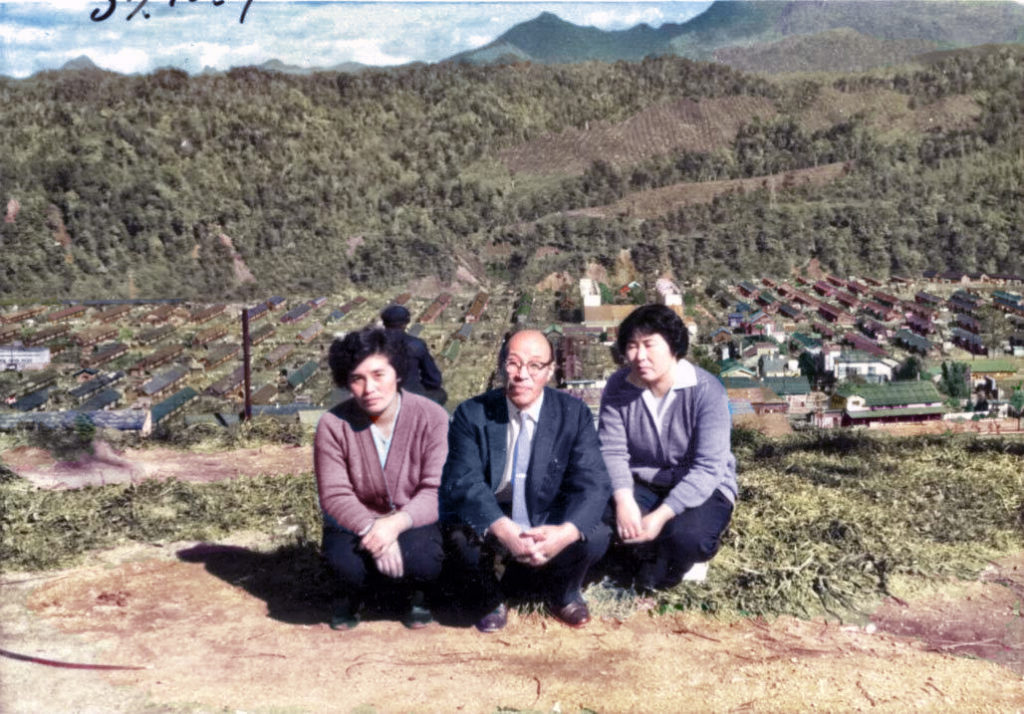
418, 616
575, 614
493, 621
345, 615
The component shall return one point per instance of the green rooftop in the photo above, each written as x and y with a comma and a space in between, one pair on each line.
998, 364
893, 394
786, 386
882, 413
739, 382
303, 373
807, 341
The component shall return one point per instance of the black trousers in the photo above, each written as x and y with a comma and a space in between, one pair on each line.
486, 574
693, 536
422, 555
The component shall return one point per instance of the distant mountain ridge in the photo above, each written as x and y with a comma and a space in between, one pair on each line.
80, 62
761, 34
85, 63
276, 65
839, 50
551, 40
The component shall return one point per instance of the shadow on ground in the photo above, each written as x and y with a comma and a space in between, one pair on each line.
297, 584
298, 587
292, 579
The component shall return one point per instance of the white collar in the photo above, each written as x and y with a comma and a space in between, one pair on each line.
686, 374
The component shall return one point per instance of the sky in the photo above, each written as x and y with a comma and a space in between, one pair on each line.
195, 34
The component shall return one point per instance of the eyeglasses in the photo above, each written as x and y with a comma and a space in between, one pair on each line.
532, 368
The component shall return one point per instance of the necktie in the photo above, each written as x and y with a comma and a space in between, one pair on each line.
520, 463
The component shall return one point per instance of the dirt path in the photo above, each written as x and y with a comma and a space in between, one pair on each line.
207, 638
107, 465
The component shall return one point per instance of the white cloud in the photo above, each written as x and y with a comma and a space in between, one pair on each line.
11, 33
616, 20
128, 60
250, 53
42, 34
194, 55
481, 40
368, 52
65, 5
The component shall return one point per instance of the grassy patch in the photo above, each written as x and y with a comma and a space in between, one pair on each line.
47, 529
827, 523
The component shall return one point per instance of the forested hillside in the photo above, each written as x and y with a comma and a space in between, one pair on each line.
114, 183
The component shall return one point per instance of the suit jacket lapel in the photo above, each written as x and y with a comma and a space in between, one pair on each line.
543, 445
497, 436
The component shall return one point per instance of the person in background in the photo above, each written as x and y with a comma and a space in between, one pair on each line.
378, 458
665, 434
524, 485
422, 375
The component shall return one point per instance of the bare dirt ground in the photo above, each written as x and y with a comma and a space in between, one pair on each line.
193, 633
107, 465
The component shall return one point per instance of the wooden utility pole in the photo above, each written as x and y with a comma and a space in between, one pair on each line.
247, 414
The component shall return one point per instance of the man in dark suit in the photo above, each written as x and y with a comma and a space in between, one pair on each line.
525, 483
422, 376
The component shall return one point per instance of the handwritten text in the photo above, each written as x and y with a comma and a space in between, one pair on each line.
99, 16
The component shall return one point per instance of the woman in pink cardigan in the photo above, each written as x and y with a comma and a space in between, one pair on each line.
378, 458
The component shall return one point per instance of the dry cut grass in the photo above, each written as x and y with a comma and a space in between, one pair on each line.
826, 522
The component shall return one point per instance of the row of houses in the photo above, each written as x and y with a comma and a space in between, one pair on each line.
149, 384
852, 404
852, 345
867, 331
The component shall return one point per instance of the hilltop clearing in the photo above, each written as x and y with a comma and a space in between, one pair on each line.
711, 125
679, 124
898, 554
106, 465
197, 626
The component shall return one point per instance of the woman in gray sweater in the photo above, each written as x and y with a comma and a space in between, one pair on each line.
665, 437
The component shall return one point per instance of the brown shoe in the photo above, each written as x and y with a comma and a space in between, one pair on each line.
575, 614
493, 621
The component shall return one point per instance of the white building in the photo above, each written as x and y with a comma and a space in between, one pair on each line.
590, 292
20, 359
872, 370
668, 292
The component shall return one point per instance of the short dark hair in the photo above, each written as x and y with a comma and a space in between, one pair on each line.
345, 354
655, 320
395, 316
